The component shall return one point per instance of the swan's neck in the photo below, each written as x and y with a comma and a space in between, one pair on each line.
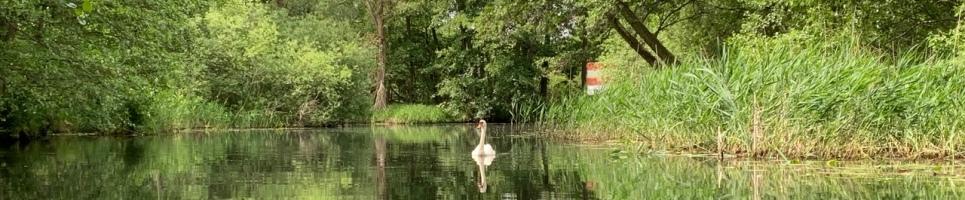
482, 136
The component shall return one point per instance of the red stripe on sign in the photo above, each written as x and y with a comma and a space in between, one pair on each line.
593, 81
593, 66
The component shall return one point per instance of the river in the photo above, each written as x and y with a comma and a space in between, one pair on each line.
430, 162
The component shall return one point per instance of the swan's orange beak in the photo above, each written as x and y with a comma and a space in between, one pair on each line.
478, 125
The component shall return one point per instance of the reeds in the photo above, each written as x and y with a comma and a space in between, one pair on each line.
818, 102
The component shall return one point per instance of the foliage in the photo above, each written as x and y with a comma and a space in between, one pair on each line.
119, 66
109, 66
481, 58
478, 57
892, 25
251, 67
815, 99
953, 40
86, 66
413, 113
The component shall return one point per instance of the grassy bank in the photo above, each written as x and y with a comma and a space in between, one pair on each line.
413, 114
781, 101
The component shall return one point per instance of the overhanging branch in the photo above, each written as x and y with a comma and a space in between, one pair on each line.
632, 41
663, 54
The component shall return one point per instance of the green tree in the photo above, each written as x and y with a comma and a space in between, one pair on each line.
89, 65
255, 62
379, 9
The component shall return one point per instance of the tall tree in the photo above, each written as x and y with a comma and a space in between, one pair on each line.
377, 9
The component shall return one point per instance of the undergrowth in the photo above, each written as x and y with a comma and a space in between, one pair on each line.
782, 101
413, 113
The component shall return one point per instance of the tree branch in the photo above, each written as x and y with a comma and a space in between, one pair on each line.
665, 26
632, 41
648, 37
665, 21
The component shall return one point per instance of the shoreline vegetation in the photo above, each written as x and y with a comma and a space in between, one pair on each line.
777, 79
771, 99
414, 114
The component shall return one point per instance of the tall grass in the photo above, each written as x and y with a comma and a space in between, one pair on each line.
413, 113
813, 102
169, 111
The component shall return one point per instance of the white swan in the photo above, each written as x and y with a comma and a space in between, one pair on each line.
483, 149
484, 155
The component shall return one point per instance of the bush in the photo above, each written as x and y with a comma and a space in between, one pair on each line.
83, 69
250, 68
233, 64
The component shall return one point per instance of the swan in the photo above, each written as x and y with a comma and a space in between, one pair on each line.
483, 149
484, 155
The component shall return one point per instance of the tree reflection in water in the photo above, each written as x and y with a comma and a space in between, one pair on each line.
425, 162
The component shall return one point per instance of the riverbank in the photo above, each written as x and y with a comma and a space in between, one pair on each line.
414, 114
170, 115
770, 99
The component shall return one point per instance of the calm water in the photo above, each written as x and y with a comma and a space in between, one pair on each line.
427, 163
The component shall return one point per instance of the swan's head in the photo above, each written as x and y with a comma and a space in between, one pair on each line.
481, 124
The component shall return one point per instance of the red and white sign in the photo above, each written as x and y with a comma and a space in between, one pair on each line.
594, 80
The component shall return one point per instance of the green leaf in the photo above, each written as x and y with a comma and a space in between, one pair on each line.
87, 6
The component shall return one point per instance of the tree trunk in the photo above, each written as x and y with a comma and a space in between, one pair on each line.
632, 41
663, 54
544, 80
435, 38
376, 9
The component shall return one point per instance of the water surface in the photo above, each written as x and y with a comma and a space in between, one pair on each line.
427, 162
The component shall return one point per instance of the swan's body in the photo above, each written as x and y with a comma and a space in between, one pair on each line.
483, 149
